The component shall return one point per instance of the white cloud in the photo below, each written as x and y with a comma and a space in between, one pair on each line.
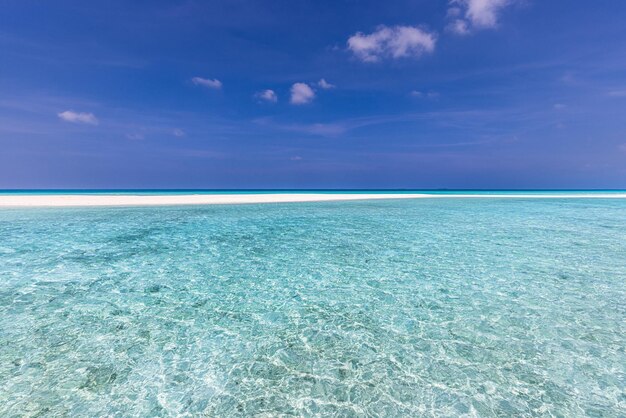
392, 42
267, 96
301, 93
459, 26
178, 133
205, 82
78, 117
416, 93
323, 84
559, 106
484, 13
453, 11
468, 15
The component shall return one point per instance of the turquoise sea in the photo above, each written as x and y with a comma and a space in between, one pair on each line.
427, 307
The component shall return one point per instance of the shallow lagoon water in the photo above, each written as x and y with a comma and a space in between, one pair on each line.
431, 307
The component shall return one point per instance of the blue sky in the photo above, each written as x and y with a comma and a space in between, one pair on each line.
229, 94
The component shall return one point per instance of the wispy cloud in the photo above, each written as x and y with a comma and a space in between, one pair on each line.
337, 128
206, 82
392, 42
135, 136
267, 96
301, 93
323, 84
201, 153
468, 15
78, 117
179, 133
463, 120
420, 94
322, 129
617, 93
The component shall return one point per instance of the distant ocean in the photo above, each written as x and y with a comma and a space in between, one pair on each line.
427, 307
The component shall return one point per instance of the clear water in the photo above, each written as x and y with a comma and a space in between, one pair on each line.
431, 307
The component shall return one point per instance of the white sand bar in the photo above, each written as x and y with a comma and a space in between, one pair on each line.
78, 200
182, 199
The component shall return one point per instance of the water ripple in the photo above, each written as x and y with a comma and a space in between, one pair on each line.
397, 308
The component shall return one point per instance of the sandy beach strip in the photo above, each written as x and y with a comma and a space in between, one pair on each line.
79, 200
94, 200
